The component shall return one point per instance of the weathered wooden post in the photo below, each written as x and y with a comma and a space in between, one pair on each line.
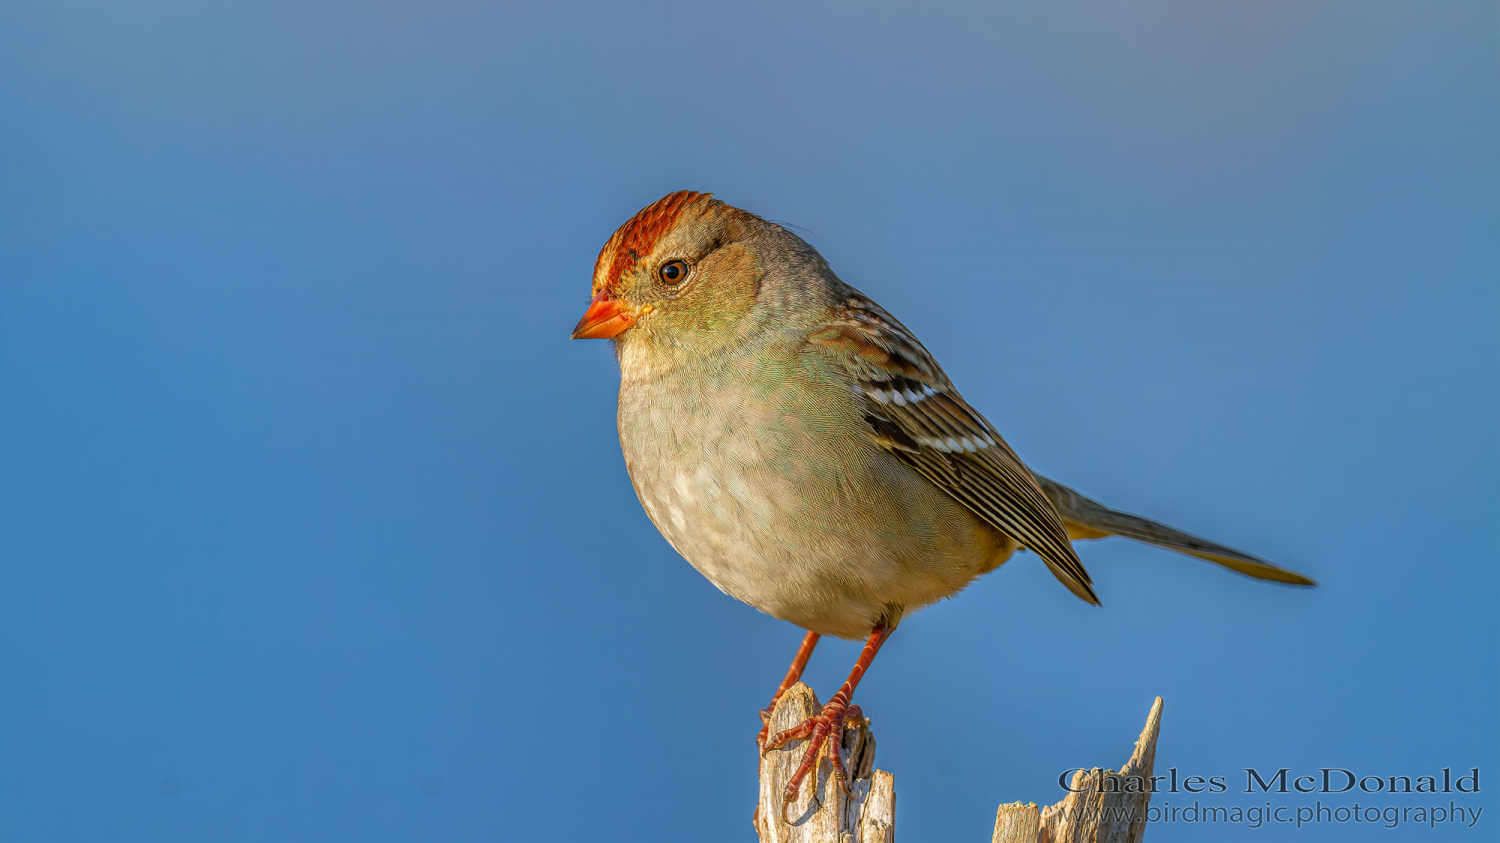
1103, 807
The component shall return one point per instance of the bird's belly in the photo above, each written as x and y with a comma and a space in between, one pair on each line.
761, 541
818, 536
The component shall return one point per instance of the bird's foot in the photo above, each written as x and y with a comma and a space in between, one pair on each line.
765, 724
824, 728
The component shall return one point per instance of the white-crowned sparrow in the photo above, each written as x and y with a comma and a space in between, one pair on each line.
804, 452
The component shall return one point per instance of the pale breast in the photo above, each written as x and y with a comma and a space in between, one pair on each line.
783, 501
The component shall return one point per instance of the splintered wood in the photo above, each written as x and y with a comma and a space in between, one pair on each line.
1103, 807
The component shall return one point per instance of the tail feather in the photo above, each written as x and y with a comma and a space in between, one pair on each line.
1089, 519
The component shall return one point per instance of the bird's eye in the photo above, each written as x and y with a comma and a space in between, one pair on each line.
672, 272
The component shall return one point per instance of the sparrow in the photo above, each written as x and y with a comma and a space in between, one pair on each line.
803, 451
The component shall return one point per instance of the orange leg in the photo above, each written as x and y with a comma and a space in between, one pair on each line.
793, 675
828, 725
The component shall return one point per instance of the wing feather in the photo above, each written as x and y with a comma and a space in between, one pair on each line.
915, 412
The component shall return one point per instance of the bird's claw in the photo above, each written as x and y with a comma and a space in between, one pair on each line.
765, 727
825, 727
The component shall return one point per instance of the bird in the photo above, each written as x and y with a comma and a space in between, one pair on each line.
804, 451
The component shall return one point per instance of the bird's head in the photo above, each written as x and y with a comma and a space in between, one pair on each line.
686, 272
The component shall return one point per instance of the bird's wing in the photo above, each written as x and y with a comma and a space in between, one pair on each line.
914, 411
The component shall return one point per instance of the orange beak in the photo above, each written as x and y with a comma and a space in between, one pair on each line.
606, 318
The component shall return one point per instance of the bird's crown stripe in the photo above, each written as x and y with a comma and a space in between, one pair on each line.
638, 237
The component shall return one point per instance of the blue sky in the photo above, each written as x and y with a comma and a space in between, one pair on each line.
313, 524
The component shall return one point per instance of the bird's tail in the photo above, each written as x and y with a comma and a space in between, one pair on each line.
1089, 519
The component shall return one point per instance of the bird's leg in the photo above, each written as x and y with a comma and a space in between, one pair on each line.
793, 675
828, 725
